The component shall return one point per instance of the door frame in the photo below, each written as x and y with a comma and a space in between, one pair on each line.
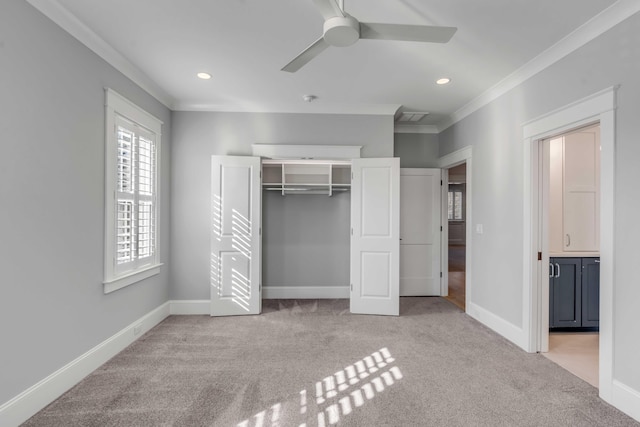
463, 155
597, 108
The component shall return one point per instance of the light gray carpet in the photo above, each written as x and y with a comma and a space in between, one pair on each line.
310, 363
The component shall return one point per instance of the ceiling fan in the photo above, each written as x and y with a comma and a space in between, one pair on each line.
341, 29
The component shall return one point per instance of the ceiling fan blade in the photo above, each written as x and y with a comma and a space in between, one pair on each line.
328, 8
307, 55
414, 33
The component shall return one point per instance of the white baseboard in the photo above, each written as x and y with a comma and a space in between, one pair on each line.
36, 397
498, 324
626, 399
305, 292
201, 306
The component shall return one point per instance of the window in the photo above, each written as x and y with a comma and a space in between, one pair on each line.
455, 207
131, 171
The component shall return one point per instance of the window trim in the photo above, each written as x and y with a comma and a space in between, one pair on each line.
451, 193
117, 105
131, 278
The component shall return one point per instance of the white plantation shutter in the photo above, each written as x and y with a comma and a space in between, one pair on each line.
135, 184
146, 196
131, 228
126, 147
146, 235
124, 232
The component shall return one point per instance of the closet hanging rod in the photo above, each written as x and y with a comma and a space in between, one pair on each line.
301, 189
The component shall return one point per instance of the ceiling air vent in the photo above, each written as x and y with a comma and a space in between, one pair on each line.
408, 116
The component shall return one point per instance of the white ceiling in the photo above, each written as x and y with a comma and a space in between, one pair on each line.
245, 43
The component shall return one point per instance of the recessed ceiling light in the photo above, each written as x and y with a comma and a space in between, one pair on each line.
443, 81
204, 76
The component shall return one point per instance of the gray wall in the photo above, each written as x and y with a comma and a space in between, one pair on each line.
495, 132
197, 136
416, 150
52, 305
306, 240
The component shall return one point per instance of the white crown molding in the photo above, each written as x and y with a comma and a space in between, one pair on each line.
402, 128
72, 25
597, 25
317, 107
600, 23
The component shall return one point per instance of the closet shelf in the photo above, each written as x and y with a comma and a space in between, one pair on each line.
299, 190
304, 176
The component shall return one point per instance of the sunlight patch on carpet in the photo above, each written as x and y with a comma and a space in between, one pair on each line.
337, 395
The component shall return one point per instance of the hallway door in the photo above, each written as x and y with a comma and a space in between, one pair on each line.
420, 232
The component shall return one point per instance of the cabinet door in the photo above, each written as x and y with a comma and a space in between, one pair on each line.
581, 191
566, 293
235, 235
590, 292
375, 236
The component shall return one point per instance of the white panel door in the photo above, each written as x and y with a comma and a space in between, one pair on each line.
235, 236
375, 248
420, 196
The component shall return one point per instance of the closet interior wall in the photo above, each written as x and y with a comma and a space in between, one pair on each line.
305, 240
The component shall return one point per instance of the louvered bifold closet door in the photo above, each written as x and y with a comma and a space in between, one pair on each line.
235, 236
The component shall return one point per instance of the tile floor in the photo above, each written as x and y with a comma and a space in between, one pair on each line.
577, 352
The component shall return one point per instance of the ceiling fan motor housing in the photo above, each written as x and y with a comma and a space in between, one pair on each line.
341, 31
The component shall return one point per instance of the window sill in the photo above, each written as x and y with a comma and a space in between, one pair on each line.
131, 278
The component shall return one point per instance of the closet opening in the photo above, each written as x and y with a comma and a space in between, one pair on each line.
306, 229
257, 213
